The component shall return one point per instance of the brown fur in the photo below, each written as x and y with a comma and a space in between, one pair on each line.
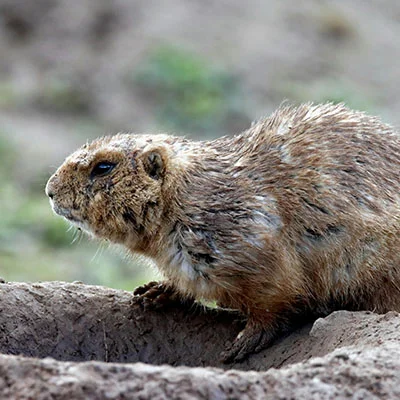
299, 213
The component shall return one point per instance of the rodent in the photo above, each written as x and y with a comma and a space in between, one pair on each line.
299, 213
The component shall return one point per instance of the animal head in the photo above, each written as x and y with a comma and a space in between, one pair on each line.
113, 187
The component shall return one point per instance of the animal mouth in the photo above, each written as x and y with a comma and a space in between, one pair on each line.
66, 213
70, 217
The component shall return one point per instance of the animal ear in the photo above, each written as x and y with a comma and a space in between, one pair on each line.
154, 163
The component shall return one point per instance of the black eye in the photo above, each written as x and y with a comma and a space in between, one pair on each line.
102, 168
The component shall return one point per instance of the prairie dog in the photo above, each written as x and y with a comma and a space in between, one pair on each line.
299, 213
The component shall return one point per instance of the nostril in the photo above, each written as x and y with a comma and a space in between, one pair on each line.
49, 191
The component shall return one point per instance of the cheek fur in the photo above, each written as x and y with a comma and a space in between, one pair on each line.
104, 216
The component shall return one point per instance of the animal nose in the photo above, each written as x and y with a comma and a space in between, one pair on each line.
50, 192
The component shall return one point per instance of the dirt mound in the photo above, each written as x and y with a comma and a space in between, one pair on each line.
94, 334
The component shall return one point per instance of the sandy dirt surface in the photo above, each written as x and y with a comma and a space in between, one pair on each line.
101, 338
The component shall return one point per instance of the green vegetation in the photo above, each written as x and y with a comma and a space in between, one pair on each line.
188, 94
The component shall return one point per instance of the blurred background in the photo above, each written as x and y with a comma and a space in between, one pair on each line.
73, 70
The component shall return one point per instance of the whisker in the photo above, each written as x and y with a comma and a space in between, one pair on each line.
77, 235
98, 252
80, 236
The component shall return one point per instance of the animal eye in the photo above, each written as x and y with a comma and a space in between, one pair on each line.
102, 168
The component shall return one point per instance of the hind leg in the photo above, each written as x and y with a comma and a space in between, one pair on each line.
255, 337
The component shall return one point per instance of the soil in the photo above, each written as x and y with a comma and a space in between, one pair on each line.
62, 340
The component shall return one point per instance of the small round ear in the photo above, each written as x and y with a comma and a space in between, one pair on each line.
154, 163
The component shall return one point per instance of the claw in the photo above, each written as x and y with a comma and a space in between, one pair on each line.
156, 296
145, 288
252, 339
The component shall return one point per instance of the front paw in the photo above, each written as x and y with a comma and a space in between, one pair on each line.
252, 339
159, 295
